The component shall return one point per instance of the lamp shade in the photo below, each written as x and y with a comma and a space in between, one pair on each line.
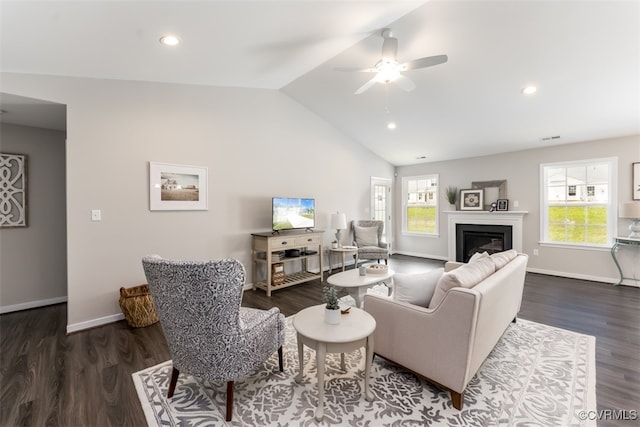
338, 221
630, 210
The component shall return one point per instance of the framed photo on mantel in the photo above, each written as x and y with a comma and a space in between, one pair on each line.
471, 200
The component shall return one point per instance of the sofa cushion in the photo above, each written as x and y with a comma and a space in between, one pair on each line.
500, 259
465, 276
478, 256
366, 236
416, 288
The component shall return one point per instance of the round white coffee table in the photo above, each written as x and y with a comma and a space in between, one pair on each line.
355, 284
355, 330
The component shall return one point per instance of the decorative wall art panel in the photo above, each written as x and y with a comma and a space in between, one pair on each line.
13, 190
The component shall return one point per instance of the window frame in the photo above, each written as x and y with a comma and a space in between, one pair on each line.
430, 196
611, 204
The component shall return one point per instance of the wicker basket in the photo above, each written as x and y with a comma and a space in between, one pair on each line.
137, 306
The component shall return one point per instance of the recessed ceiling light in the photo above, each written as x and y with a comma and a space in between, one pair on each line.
391, 125
169, 40
529, 90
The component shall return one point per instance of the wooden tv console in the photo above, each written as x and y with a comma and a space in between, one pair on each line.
267, 249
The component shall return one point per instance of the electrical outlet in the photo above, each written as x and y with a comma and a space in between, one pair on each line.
96, 215
536, 252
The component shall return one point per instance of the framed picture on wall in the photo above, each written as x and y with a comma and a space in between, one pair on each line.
635, 180
471, 200
177, 187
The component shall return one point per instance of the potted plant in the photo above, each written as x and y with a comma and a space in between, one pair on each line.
332, 308
451, 193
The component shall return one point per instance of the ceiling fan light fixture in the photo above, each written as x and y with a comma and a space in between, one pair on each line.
387, 71
169, 40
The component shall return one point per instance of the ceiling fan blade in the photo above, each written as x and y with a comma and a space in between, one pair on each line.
356, 70
389, 48
366, 86
425, 62
404, 83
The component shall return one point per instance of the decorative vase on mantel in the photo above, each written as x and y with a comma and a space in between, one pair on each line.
451, 193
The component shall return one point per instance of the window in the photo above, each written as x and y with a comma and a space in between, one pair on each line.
578, 202
420, 210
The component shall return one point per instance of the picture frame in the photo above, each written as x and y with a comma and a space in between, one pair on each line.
635, 180
471, 200
502, 205
493, 190
13, 197
177, 187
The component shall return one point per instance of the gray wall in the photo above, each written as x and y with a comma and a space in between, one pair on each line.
521, 170
33, 261
256, 144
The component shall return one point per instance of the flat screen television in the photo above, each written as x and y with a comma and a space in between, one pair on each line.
289, 213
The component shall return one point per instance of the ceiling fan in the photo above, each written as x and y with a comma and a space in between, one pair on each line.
388, 70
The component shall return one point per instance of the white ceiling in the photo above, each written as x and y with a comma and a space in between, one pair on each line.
584, 56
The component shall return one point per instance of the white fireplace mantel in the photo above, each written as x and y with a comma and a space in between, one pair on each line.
512, 218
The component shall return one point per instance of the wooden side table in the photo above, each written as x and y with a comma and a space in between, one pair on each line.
355, 330
344, 250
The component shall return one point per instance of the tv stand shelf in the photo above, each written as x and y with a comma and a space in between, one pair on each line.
265, 245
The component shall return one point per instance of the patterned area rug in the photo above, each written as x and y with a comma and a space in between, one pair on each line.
536, 375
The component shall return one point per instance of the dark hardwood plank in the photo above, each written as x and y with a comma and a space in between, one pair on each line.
84, 379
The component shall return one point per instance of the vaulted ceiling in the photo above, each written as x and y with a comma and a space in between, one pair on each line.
583, 57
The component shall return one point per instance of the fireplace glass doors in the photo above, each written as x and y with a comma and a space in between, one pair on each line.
474, 238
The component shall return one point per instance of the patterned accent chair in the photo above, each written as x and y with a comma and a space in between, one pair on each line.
367, 237
209, 335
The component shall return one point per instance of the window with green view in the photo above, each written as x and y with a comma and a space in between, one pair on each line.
420, 204
577, 202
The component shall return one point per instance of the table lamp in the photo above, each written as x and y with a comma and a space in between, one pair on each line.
339, 222
631, 210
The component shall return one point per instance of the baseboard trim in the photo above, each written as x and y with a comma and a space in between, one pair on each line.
419, 255
32, 304
610, 280
93, 323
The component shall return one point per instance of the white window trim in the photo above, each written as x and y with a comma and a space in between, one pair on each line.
405, 180
612, 218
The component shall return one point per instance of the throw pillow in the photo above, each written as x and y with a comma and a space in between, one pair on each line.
500, 259
416, 288
478, 255
366, 236
465, 276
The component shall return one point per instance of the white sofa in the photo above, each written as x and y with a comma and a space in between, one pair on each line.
447, 341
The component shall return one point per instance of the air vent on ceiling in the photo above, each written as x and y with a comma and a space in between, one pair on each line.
550, 138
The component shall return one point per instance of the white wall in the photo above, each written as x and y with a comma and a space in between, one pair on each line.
256, 144
521, 170
33, 261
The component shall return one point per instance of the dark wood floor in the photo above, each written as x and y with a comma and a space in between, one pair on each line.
84, 379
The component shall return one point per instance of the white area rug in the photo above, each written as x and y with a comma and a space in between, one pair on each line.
536, 375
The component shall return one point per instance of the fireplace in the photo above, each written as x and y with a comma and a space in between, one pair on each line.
478, 238
512, 219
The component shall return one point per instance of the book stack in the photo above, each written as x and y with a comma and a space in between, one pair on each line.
277, 256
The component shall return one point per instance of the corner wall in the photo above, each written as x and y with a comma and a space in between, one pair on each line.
33, 261
521, 170
256, 144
